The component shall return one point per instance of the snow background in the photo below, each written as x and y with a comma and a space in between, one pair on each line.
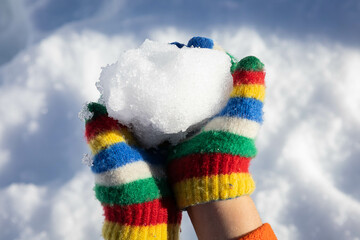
51, 54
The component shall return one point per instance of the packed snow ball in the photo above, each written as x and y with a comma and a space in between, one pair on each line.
162, 92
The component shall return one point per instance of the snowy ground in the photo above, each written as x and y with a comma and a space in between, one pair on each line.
51, 54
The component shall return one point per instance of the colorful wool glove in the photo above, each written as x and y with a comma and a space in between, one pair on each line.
129, 182
214, 164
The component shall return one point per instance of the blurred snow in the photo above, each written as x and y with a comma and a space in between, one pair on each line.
309, 149
14, 28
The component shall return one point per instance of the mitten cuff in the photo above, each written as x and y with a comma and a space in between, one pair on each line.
157, 219
201, 178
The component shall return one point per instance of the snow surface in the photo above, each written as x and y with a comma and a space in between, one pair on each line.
163, 92
307, 169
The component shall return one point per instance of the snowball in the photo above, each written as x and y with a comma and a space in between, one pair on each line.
163, 92
87, 160
85, 114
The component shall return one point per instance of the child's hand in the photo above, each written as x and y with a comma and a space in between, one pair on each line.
130, 183
213, 165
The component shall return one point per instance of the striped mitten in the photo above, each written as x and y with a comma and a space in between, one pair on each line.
214, 164
129, 182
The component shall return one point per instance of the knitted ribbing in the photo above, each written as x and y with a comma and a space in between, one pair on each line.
213, 165
129, 182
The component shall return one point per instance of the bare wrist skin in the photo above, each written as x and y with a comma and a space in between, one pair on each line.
225, 220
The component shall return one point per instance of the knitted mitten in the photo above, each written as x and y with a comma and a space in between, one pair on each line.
129, 182
213, 165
